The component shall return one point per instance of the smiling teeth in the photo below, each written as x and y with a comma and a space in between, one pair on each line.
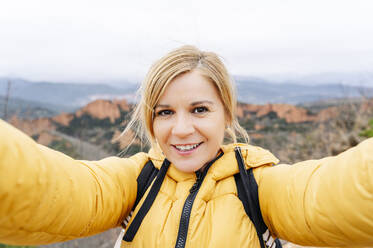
186, 147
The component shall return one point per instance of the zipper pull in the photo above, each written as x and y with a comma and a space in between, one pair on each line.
198, 175
196, 184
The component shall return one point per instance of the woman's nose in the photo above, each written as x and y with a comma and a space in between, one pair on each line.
183, 126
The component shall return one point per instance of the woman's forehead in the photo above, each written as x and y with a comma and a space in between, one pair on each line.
191, 86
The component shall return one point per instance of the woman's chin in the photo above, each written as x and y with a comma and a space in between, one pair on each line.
186, 167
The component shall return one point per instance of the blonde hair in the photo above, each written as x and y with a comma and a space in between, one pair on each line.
163, 71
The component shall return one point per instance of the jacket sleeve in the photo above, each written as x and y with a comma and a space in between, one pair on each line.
46, 196
326, 202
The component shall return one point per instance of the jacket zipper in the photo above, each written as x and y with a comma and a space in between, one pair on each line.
187, 209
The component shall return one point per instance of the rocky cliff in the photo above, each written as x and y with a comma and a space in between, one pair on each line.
102, 109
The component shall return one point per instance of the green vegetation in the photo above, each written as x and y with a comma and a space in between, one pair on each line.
95, 131
272, 123
368, 132
65, 147
78, 123
13, 246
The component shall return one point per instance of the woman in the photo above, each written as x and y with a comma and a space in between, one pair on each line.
187, 107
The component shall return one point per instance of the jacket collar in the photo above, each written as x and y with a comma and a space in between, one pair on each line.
225, 166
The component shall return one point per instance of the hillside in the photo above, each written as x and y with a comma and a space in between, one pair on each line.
259, 91
273, 126
28, 109
65, 95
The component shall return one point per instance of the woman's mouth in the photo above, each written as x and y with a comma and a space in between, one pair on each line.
187, 148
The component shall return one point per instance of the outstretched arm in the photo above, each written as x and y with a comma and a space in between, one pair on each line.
46, 196
326, 202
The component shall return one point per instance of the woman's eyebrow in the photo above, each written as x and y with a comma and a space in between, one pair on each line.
202, 102
192, 104
161, 106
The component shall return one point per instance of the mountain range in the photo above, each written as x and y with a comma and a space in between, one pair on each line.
67, 97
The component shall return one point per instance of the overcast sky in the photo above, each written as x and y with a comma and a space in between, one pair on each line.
94, 41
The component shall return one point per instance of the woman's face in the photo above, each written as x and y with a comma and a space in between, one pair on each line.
189, 121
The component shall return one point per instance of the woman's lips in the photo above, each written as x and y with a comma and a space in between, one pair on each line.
186, 149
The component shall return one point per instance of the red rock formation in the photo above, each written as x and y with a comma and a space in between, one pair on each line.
240, 110
265, 110
327, 114
32, 127
258, 127
123, 104
290, 113
45, 138
63, 118
101, 109
244, 110
124, 140
293, 114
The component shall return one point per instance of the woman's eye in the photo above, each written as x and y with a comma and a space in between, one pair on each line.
164, 112
200, 110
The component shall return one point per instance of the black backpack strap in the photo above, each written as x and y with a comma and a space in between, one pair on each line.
247, 190
132, 229
144, 180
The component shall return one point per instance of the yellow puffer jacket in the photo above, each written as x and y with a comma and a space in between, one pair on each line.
48, 197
